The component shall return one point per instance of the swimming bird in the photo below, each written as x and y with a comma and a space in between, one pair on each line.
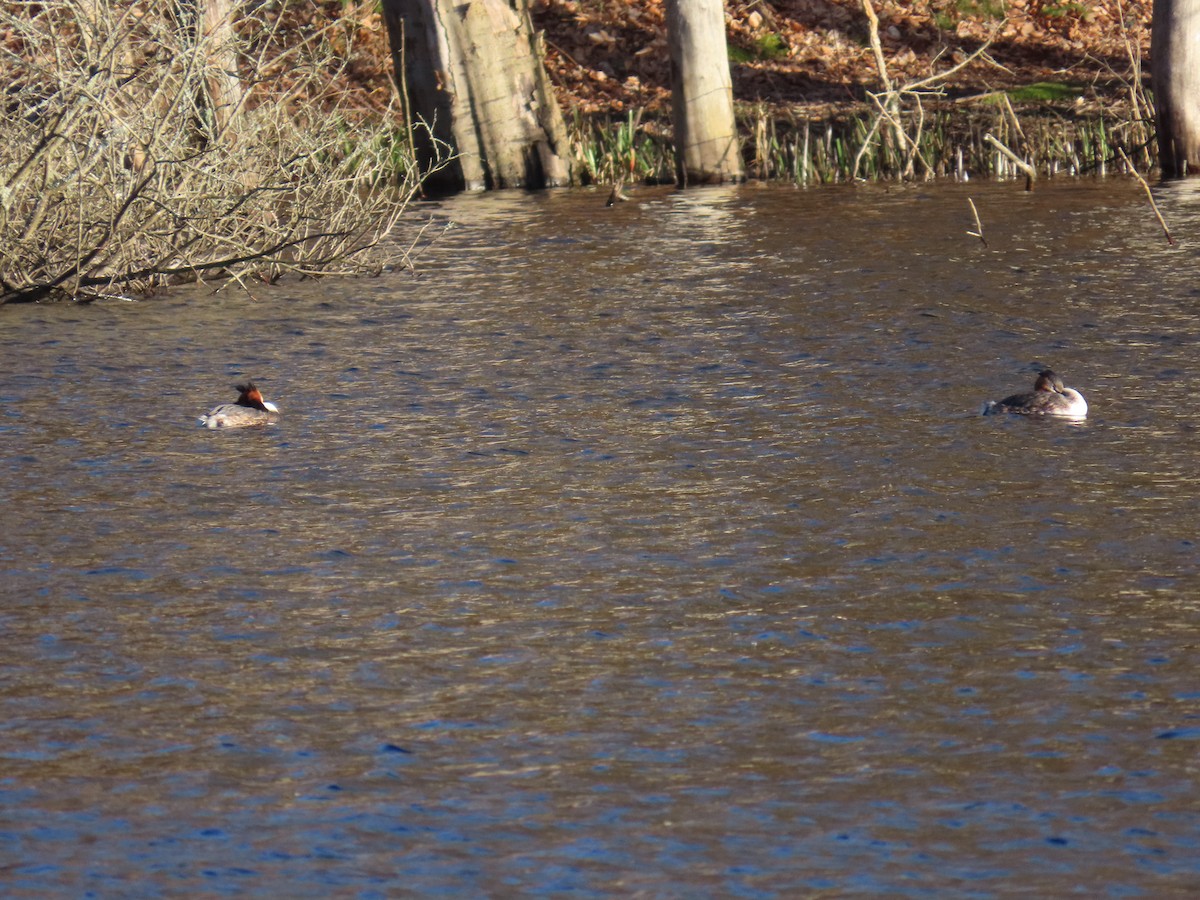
1049, 397
250, 409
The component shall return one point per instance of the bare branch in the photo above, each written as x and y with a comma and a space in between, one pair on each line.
1030, 172
114, 174
1149, 196
890, 101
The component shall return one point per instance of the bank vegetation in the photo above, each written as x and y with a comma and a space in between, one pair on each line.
849, 89
143, 145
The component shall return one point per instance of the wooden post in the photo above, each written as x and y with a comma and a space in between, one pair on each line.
1175, 64
706, 143
471, 72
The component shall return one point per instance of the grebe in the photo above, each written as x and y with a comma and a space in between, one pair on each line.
1048, 398
250, 409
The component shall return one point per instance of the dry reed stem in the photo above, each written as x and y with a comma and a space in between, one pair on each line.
978, 232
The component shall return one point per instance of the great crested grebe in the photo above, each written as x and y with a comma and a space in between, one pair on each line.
250, 409
1048, 398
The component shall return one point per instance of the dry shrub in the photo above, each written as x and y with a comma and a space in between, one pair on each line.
133, 155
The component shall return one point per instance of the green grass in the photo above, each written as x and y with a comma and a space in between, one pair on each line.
949, 17
1058, 10
767, 47
982, 9
1043, 91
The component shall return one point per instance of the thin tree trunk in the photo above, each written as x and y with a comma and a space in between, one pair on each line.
225, 90
471, 72
1175, 62
208, 24
706, 142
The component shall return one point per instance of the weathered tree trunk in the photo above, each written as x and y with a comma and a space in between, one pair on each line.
1175, 60
471, 71
208, 25
225, 90
706, 142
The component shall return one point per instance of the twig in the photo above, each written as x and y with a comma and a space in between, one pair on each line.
1149, 196
939, 77
876, 47
890, 99
891, 109
978, 232
1030, 172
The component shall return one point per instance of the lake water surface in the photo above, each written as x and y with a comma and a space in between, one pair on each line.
648, 551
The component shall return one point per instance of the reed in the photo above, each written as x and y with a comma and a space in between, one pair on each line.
620, 152
951, 142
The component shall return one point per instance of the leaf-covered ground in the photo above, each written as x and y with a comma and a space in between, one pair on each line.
610, 55
811, 58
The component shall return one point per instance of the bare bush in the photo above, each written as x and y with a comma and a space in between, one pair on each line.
130, 156
890, 119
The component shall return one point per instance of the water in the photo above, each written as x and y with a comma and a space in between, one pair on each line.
646, 551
